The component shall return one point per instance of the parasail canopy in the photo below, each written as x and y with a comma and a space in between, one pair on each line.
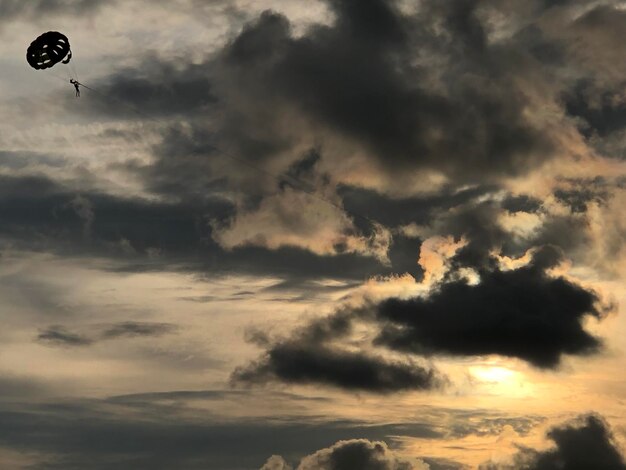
48, 50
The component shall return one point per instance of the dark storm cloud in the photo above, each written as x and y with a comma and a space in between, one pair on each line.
585, 443
522, 313
315, 364
59, 336
503, 314
414, 95
356, 78
308, 357
461, 111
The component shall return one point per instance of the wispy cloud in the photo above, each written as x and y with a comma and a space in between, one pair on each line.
60, 336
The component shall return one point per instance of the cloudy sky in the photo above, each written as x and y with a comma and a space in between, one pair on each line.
314, 235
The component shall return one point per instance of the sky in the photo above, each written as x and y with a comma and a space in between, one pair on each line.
321, 235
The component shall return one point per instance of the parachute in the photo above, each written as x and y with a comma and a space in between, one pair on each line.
48, 50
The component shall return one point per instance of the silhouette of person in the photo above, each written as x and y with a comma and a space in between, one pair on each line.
76, 85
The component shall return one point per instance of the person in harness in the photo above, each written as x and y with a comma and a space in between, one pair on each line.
77, 86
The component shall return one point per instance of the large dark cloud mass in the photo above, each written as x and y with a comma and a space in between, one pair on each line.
307, 358
523, 313
583, 444
427, 89
520, 313
310, 364
431, 88
357, 78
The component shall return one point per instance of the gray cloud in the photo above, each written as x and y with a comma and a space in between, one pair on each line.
156, 430
309, 357
38, 214
315, 364
358, 453
155, 89
60, 336
10, 10
444, 464
414, 96
578, 194
504, 313
402, 211
521, 203
132, 329
142, 434
372, 93
586, 442
276, 462
21, 387
355, 77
